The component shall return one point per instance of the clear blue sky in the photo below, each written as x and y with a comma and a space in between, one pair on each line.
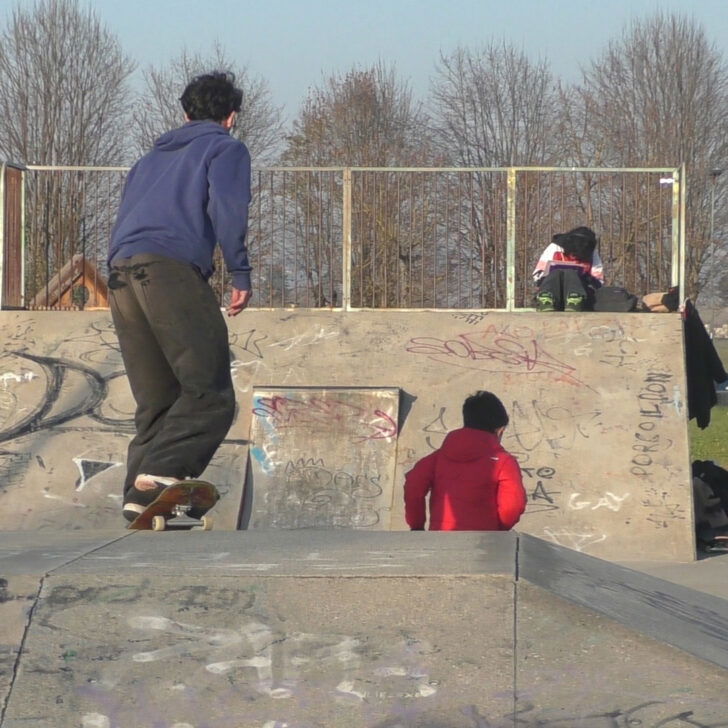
292, 43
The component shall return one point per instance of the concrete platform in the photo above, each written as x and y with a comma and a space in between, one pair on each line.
606, 390
284, 629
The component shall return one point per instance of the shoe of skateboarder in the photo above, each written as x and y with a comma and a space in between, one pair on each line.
145, 490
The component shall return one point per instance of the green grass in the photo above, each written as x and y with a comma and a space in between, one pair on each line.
712, 442
721, 346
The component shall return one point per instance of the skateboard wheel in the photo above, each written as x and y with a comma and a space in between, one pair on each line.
207, 523
159, 523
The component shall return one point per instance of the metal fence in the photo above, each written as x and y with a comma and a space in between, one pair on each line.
354, 238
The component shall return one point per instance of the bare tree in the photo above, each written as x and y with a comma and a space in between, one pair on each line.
259, 123
63, 101
657, 97
366, 117
63, 87
493, 107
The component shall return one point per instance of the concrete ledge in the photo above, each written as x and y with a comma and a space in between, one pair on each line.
576, 668
579, 389
315, 553
690, 620
306, 552
39, 553
363, 629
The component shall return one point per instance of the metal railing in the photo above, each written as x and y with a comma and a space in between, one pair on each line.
357, 238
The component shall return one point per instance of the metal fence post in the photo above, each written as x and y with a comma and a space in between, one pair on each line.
23, 172
12, 236
683, 199
3, 168
511, 240
346, 242
675, 264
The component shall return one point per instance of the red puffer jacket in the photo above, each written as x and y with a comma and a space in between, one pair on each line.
474, 485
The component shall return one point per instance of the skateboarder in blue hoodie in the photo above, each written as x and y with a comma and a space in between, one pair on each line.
189, 193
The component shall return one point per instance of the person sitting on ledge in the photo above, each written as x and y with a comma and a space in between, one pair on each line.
568, 272
474, 484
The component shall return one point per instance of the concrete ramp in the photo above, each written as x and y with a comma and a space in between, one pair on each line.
597, 404
307, 628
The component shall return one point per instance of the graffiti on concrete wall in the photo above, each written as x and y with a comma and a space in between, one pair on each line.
323, 458
63, 424
66, 419
576, 389
516, 350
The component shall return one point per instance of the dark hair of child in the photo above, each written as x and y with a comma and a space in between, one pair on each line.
484, 411
579, 243
211, 96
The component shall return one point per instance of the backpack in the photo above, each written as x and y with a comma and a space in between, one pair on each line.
715, 476
710, 500
614, 298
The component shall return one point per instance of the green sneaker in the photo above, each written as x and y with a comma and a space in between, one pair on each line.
545, 301
574, 302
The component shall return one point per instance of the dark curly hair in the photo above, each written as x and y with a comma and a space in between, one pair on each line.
212, 96
484, 411
580, 242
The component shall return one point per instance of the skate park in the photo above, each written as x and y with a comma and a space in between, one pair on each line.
574, 618
310, 603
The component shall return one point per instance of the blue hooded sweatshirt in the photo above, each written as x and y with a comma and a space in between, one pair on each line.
191, 191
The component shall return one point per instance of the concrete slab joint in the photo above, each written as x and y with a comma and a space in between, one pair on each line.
19, 597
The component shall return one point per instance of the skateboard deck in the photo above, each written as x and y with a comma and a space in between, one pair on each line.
176, 500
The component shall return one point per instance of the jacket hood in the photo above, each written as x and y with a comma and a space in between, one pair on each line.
468, 444
183, 135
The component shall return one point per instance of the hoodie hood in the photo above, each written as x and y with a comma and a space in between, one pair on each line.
467, 444
183, 135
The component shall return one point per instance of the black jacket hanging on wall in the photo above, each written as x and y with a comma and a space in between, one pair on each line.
703, 367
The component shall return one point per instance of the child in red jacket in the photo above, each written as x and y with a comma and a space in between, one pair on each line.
474, 484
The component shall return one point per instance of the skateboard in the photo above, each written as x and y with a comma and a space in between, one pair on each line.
177, 500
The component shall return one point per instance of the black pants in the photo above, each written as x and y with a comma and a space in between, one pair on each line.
562, 283
174, 343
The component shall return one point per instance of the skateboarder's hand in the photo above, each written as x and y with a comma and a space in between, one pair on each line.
238, 301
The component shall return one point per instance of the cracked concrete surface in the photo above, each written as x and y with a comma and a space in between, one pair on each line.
371, 630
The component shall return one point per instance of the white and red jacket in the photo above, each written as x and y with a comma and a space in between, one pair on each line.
473, 484
555, 253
